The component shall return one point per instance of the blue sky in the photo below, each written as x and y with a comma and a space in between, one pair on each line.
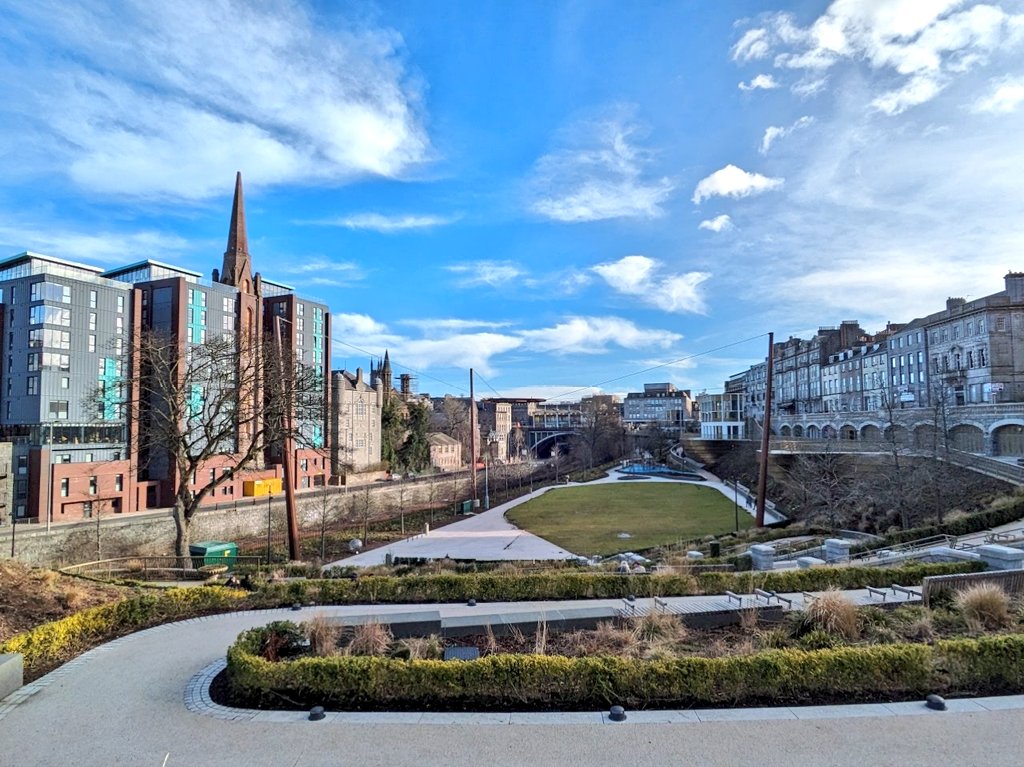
558, 194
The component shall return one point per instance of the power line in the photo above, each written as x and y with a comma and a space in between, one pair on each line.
403, 367
488, 384
654, 367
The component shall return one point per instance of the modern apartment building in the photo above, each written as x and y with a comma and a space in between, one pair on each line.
659, 403
70, 331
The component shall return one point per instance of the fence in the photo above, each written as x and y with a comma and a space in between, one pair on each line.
1012, 581
150, 568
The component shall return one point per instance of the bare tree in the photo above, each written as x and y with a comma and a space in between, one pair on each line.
205, 412
324, 508
821, 485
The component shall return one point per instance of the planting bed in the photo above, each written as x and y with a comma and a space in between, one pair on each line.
831, 653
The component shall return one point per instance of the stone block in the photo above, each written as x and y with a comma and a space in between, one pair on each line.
837, 550
12, 673
809, 562
762, 556
1001, 557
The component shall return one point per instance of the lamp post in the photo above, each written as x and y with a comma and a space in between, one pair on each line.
270, 501
736, 501
49, 474
487, 486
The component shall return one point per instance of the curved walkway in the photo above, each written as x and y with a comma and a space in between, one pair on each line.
488, 536
139, 701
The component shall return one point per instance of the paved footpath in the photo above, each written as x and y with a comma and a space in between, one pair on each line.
125, 704
488, 536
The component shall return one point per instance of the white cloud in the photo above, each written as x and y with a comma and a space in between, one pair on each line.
922, 45
93, 247
1006, 95
716, 224
491, 273
644, 278
167, 100
594, 335
774, 132
600, 175
445, 343
731, 181
753, 45
809, 86
763, 82
379, 222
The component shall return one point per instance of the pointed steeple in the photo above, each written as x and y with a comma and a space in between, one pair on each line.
385, 376
237, 270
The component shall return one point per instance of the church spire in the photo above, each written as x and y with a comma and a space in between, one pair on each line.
237, 270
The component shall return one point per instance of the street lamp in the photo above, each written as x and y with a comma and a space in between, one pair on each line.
49, 474
270, 501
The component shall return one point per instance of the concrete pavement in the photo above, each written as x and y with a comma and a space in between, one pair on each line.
125, 704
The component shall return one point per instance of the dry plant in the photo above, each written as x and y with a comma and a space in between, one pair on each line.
370, 639
492, 642
322, 634
749, 617
73, 597
985, 605
422, 648
921, 629
834, 614
609, 639
655, 626
540, 643
518, 638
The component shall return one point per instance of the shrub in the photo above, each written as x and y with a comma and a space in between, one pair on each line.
419, 648
834, 614
985, 605
654, 627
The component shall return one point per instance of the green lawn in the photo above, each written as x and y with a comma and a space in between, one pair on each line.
588, 520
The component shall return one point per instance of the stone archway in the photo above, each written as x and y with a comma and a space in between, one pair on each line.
828, 432
848, 432
897, 434
927, 437
798, 431
784, 431
968, 438
1008, 439
871, 433
813, 432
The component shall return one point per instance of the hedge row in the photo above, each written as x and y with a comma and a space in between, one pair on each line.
52, 643
497, 587
972, 523
989, 665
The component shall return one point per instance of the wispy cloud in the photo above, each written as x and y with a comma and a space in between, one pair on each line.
647, 279
717, 224
601, 174
428, 324
594, 335
385, 224
99, 247
491, 273
449, 343
205, 87
1005, 96
760, 82
731, 181
923, 46
774, 132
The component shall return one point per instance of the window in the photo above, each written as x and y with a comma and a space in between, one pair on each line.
120, 304
49, 315
92, 343
34, 359
87, 509
228, 305
981, 357
32, 385
49, 291
65, 382
119, 325
300, 309
956, 332
64, 458
981, 325
92, 485
970, 359
119, 482
92, 299
65, 487
59, 410
87, 458
92, 320
228, 322
1000, 323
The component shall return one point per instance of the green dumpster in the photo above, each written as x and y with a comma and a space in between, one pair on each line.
466, 507
213, 553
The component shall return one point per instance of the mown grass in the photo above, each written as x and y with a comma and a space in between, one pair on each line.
588, 520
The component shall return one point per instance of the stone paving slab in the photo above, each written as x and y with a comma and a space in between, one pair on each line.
743, 714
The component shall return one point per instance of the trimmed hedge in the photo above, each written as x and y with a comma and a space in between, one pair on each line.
989, 665
972, 523
52, 643
497, 587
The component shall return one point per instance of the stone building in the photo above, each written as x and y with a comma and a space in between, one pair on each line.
355, 422
445, 452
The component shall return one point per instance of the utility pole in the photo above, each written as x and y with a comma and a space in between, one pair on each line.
762, 474
472, 437
288, 447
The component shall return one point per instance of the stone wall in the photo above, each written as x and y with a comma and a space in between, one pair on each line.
152, 533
